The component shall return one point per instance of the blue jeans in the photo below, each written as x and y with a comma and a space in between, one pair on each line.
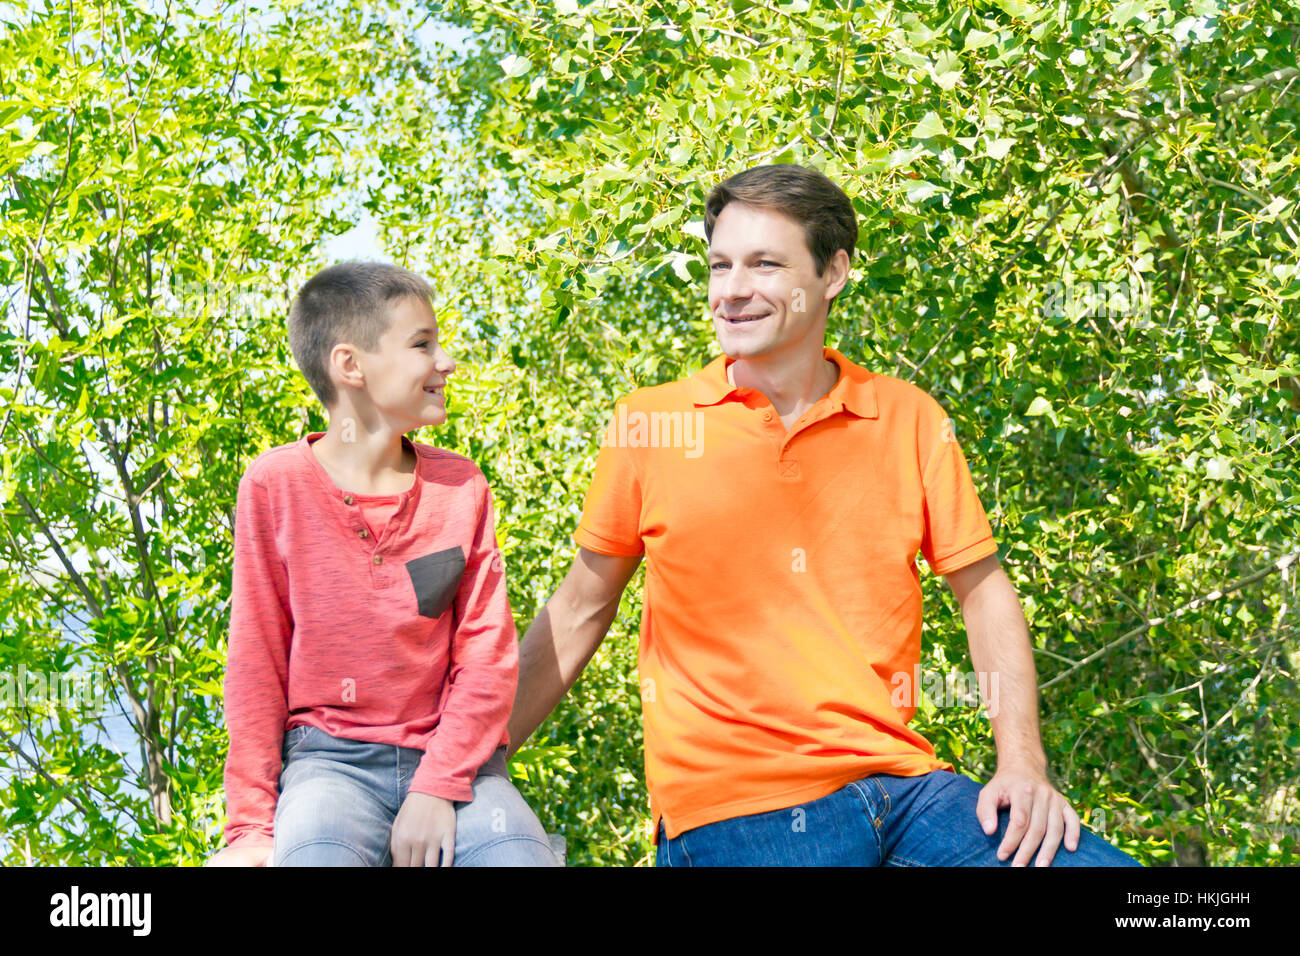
339, 798
882, 819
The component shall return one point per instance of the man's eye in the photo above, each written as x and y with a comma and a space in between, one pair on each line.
421, 345
718, 265
768, 262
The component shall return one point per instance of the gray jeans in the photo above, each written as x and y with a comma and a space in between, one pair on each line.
339, 798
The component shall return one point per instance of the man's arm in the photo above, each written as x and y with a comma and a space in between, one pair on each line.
1000, 649
565, 635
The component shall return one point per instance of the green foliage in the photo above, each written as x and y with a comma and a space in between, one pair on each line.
1078, 233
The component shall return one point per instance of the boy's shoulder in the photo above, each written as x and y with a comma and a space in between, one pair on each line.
440, 463
277, 463
290, 463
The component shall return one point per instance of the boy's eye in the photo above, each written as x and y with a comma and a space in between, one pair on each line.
718, 265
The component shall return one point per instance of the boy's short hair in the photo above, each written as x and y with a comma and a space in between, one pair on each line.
805, 195
347, 302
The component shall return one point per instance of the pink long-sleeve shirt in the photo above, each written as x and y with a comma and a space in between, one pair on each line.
402, 635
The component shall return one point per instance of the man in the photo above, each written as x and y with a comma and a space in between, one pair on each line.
780, 495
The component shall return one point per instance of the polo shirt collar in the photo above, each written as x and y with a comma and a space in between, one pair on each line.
854, 392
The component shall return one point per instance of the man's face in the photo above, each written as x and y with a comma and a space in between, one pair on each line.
764, 291
406, 374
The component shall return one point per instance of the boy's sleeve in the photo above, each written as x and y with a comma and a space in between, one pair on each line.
257, 671
481, 676
957, 531
611, 513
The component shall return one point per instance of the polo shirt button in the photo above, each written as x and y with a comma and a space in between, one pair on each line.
378, 560
347, 499
363, 533
767, 416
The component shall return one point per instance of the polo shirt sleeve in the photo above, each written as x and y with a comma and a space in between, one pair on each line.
957, 531
611, 513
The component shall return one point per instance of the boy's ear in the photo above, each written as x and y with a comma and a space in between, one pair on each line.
344, 368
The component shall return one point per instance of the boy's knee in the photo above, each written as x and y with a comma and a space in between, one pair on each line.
322, 853
512, 850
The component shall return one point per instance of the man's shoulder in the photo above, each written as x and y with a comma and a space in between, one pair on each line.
898, 396
664, 397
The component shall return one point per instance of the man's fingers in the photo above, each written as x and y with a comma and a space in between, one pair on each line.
1022, 806
1071, 829
448, 849
1037, 827
1052, 839
986, 809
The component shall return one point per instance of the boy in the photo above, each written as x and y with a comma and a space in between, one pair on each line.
373, 657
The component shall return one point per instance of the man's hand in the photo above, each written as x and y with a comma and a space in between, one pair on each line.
242, 856
1039, 815
425, 828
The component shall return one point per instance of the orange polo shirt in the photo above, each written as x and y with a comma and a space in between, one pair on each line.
782, 598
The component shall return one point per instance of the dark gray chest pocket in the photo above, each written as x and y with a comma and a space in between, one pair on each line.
435, 578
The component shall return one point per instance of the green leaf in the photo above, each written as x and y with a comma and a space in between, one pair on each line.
1039, 406
930, 125
515, 65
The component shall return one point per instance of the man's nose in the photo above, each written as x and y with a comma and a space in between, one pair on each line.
736, 285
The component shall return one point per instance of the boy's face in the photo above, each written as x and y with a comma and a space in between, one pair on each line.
404, 377
764, 291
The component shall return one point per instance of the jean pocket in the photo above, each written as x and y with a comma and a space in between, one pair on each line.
496, 765
294, 738
436, 578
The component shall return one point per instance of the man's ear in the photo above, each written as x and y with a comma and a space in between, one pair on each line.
837, 274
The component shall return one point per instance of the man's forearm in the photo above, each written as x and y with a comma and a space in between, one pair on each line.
1000, 648
556, 648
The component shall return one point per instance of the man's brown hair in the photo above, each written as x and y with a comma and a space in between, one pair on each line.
348, 302
805, 195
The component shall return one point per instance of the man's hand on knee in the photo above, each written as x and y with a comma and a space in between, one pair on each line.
1040, 816
424, 833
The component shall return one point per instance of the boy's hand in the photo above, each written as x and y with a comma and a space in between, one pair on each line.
424, 829
242, 856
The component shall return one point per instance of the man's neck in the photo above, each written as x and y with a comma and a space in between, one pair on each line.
793, 385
